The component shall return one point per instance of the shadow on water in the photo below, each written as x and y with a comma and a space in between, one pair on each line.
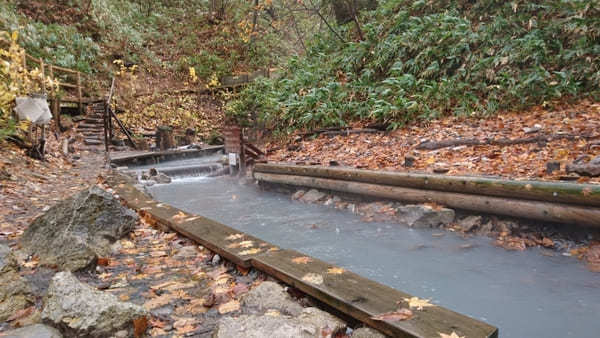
525, 294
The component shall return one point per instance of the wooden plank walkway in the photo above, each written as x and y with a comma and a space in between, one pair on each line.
347, 292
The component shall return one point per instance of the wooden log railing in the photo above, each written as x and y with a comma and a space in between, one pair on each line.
67, 78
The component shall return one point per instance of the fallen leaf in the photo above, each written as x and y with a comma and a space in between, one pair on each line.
159, 301
230, 306
180, 215
234, 237
335, 271
139, 326
416, 302
21, 314
451, 335
313, 278
402, 314
250, 252
302, 260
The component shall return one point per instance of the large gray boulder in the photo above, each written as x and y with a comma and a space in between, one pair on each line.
312, 322
424, 216
78, 310
271, 296
36, 330
15, 293
75, 232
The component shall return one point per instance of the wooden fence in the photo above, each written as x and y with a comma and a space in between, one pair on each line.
66, 78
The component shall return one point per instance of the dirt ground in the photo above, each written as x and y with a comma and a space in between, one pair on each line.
580, 123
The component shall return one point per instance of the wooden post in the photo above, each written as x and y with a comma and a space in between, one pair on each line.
164, 138
79, 93
55, 106
43, 76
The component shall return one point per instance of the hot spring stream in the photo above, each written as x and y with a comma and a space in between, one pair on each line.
525, 294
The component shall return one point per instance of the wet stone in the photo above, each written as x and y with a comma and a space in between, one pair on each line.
271, 296
424, 216
36, 330
298, 194
469, 223
312, 196
162, 178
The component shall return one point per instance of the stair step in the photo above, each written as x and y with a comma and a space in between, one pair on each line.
94, 120
90, 126
92, 142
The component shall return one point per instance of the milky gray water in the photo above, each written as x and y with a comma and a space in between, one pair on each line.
525, 294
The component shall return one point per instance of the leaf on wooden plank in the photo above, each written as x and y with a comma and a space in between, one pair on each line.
243, 244
451, 335
313, 278
335, 271
302, 260
234, 237
250, 252
180, 215
402, 314
418, 303
232, 305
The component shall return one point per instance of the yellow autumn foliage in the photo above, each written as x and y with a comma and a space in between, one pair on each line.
16, 80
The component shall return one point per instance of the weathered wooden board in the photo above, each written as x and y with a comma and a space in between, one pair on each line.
363, 298
558, 192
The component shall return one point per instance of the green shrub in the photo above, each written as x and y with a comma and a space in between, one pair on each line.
425, 59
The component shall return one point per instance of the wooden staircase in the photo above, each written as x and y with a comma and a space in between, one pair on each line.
92, 126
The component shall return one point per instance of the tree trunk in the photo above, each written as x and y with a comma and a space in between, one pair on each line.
345, 10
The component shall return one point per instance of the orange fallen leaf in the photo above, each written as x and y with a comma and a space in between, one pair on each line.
232, 305
302, 260
402, 314
140, 325
335, 271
